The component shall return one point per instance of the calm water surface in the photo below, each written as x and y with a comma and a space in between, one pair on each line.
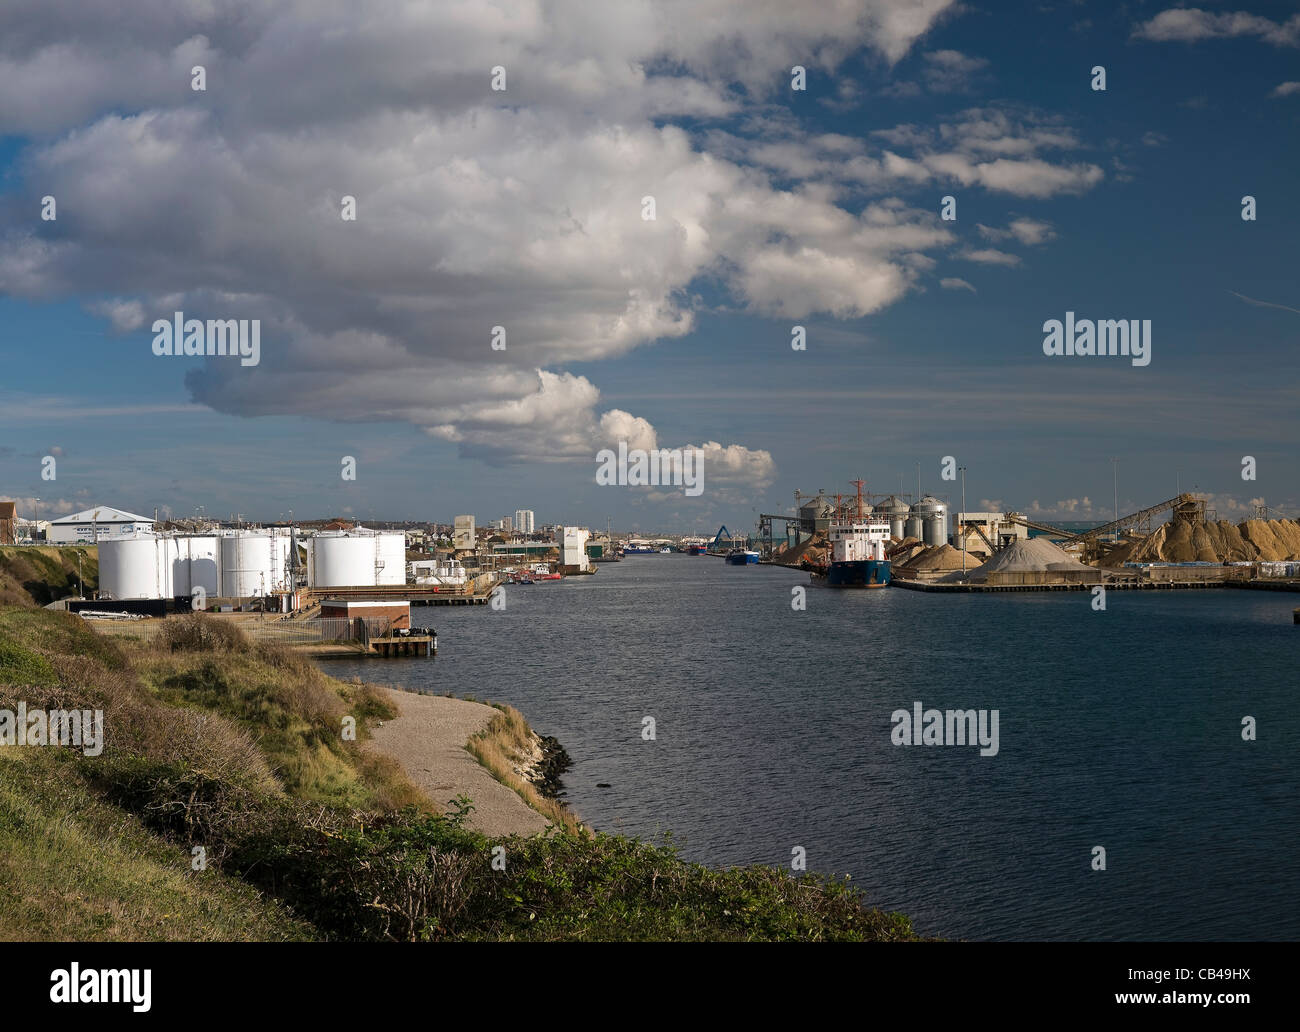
1119, 729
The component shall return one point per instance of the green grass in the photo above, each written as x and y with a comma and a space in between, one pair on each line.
77, 869
41, 574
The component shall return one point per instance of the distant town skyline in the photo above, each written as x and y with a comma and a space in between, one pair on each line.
865, 221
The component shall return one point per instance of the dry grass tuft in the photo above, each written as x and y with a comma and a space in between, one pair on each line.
508, 746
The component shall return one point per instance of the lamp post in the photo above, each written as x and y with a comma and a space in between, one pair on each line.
961, 529
1114, 465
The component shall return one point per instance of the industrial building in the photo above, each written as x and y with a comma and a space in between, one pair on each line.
394, 614
7, 523
572, 543
102, 523
450, 573
986, 532
464, 538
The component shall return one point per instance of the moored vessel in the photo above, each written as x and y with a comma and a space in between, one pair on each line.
858, 540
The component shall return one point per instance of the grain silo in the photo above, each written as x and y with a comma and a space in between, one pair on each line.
896, 510
934, 520
912, 528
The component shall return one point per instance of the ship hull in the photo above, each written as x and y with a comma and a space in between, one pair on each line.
859, 573
743, 558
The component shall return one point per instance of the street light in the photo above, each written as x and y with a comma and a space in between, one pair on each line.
1114, 465
960, 529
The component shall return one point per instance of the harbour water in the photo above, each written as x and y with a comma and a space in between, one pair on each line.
1120, 729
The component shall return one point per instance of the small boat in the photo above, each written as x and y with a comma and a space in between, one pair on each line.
637, 549
543, 572
697, 550
742, 557
665, 550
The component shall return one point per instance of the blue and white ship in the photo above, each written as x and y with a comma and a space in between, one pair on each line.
858, 541
858, 553
742, 557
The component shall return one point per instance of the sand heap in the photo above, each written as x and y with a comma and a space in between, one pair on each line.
903, 551
814, 550
1035, 555
938, 558
1268, 540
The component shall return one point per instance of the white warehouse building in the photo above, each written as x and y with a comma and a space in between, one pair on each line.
102, 523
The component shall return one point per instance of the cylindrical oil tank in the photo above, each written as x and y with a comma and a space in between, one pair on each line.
247, 569
204, 555
197, 564
281, 545
342, 561
896, 510
135, 568
390, 558
934, 520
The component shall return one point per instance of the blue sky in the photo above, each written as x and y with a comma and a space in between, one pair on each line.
819, 208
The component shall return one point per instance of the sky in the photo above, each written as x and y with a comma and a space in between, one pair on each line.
524, 208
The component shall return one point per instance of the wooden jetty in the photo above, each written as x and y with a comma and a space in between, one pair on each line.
408, 645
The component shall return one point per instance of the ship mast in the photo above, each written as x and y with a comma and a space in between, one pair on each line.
859, 484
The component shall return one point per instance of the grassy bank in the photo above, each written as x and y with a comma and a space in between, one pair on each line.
41, 574
239, 749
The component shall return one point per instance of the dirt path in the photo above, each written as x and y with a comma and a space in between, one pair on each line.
428, 739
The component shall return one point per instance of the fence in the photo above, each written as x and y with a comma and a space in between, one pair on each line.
321, 629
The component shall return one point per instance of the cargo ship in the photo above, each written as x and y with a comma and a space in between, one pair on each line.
697, 549
858, 541
742, 557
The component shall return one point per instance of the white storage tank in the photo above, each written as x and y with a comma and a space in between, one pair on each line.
934, 520
897, 510
204, 555
137, 567
340, 561
196, 564
247, 568
281, 546
390, 558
